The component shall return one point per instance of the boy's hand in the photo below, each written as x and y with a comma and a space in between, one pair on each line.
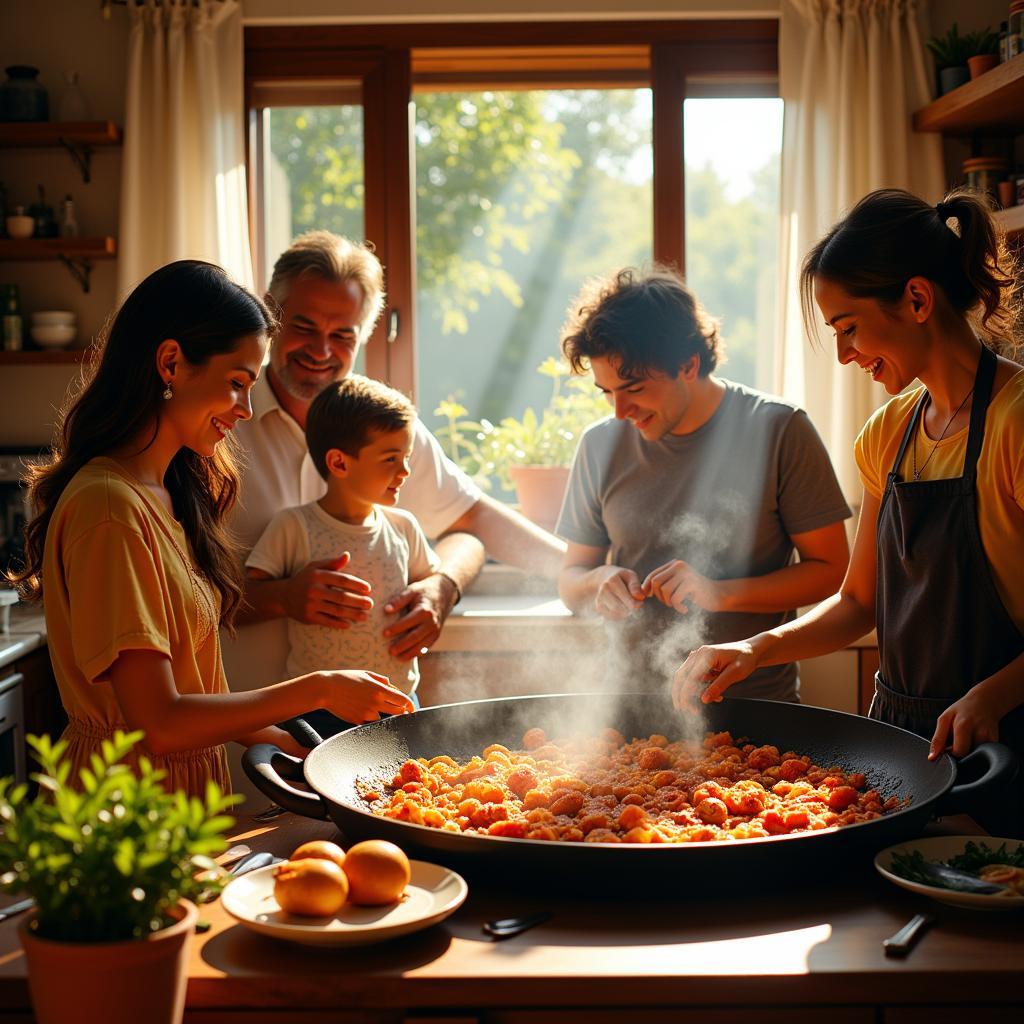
680, 587
425, 605
321, 595
618, 594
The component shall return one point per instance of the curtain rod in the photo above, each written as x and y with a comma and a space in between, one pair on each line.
107, 5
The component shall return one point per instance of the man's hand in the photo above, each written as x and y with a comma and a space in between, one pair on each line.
321, 595
619, 593
679, 586
422, 608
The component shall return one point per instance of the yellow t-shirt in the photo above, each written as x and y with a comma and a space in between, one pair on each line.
1000, 483
118, 576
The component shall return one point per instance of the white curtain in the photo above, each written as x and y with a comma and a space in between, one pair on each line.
183, 190
851, 74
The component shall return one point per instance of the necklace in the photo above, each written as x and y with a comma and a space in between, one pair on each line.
918, 472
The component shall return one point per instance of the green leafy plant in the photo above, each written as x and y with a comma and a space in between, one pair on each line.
486, 450
107, 860
950, 50
984, 41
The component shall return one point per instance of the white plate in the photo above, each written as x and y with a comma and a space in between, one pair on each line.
941, 848
433, 893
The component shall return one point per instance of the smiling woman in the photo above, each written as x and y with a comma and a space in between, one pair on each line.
129, 546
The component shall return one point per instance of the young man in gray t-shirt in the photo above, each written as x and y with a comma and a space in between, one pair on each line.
684, 511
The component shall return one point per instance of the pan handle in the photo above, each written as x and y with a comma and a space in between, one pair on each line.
998, 765
268, 767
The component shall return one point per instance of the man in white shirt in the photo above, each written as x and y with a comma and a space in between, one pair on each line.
331, 292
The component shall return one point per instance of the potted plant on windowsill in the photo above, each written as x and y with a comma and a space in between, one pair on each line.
113, 867
950, 55
530, 455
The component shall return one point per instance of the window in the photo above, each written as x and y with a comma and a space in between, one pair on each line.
732, 149
520, 195
502, 164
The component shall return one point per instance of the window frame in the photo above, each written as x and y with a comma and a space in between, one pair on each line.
675, 59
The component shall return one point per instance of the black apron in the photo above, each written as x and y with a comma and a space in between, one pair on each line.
942, 626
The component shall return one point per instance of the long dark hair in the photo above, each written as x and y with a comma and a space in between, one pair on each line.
119, 397
891, 236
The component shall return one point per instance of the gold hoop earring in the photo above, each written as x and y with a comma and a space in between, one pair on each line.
168, 393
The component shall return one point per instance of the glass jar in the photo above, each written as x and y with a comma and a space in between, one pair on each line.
1015, 30
983, 173
22, 98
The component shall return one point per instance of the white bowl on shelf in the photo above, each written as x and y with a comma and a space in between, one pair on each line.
53, 318
53, 335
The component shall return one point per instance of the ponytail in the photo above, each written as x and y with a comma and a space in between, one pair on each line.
891, 236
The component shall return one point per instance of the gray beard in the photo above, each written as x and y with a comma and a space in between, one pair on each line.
305, 391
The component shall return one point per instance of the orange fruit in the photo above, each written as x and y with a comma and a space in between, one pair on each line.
311, 886
320, 849
377, 871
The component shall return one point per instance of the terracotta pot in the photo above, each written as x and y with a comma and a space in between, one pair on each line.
112, 982
981, 63
540, 490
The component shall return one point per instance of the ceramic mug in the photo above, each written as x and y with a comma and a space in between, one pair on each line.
20, 225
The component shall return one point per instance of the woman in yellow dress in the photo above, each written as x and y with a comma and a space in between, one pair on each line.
128, 546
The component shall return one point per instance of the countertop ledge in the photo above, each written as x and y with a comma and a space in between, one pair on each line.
27, 633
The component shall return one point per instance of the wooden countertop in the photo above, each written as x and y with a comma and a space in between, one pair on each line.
809, 947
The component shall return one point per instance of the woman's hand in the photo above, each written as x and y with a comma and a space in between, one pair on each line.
709, 671
357, 696
971, 720
679, 586
619, 593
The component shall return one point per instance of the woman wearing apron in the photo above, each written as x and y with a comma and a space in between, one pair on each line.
938, 563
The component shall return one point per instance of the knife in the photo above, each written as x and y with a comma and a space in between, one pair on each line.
17, 908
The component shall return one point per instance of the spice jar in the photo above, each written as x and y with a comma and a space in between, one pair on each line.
983, 173
1015, 30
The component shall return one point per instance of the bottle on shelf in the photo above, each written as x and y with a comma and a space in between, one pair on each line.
12, 320
74, 104
68, 221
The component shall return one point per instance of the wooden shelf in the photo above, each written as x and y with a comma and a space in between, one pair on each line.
993, 102
37, 134
1011, 220
76, 254
55, 248
79, 138
37, 357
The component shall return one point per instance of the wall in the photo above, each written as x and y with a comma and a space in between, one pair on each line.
56, 36
59, 35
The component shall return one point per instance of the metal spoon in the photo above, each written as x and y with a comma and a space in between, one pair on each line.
506, 927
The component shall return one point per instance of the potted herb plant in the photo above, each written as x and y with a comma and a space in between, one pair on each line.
950, 53
113, 866
982, 49
530, 455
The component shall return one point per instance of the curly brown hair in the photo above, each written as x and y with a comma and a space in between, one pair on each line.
647, 320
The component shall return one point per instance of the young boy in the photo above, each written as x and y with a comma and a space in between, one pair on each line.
359, 433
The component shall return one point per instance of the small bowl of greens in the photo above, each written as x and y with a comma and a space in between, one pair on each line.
966, 871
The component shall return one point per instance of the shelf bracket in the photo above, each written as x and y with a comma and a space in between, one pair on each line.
79, 270
81, 154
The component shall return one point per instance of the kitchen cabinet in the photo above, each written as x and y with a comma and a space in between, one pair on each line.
41, 704
990, 105
79, 139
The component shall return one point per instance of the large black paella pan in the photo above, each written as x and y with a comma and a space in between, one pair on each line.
894, 761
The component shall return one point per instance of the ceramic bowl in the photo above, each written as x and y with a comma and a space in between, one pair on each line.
20, 226
53, 318
53, 336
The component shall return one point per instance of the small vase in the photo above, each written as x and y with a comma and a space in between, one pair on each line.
73, 104
953, 78
114, 982
22, 98
981, 63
